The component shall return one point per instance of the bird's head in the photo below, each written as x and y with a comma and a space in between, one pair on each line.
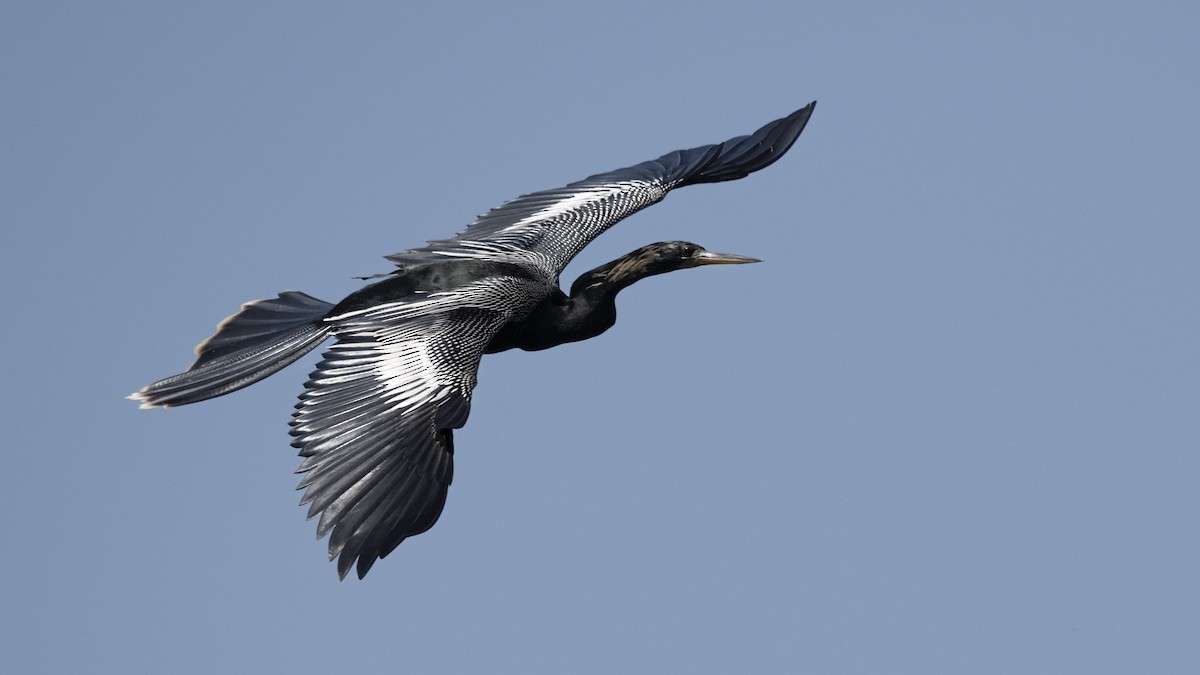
657, 258
668, 256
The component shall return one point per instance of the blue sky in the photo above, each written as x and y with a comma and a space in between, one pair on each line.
949, 425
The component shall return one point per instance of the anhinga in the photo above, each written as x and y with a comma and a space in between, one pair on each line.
376, 419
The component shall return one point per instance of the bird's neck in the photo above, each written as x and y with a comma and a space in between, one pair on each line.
603, 283
590, 310
558, 320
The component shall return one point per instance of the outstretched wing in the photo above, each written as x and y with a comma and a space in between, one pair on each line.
375, 421
558, 223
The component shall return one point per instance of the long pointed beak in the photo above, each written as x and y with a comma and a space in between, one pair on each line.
713, 258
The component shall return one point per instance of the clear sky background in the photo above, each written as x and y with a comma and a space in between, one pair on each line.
950, 425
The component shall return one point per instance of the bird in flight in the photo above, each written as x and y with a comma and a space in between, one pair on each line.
376, 420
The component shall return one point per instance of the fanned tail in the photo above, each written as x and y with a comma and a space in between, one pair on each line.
261, 339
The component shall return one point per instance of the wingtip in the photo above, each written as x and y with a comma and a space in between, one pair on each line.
344, 565
804, 113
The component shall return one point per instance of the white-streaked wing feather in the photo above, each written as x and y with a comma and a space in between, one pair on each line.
374, 423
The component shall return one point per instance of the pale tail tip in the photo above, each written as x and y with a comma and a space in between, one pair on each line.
146, 404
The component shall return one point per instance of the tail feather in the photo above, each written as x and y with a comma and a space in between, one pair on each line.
261, 339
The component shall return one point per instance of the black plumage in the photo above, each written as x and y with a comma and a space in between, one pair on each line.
375, 422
